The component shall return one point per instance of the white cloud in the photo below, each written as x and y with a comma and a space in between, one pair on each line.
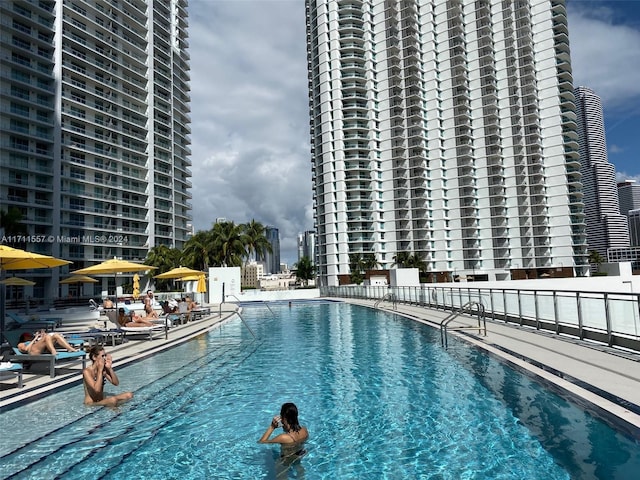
250, 124
622, 176
613, 149
605, 55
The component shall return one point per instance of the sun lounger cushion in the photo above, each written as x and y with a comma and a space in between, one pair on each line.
52, 359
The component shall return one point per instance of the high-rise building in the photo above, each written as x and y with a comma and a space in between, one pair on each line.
95, 126
307, 245
628, 196
272, 259
633, 216
445, 129
606, 226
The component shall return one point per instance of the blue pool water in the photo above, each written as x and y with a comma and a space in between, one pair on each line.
381, 399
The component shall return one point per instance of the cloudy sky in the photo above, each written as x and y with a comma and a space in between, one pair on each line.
250, 124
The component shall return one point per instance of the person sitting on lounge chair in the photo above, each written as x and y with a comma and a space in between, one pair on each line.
95, 376
43, 342
132, 320
172, 305
148, 306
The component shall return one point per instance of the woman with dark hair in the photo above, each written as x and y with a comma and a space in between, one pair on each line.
43, 342
294, 435
95, 376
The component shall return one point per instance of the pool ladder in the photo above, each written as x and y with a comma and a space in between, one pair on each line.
467, 308
240, 315
389, 296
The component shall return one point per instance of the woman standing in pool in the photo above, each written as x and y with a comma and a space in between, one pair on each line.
292, 440
95, 376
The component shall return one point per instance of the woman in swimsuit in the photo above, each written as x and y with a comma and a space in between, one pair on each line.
43, 342
132, 320
292, 440
97, 375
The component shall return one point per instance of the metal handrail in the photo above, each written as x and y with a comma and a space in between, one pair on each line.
466, 308
266, 304
608, 317
388, 296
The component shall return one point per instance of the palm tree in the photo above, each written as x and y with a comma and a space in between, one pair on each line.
400, 259
414, 261
198, 251
305, 270
164, 258
255, 240
370, 262
11, 226
228, 245
596, 258
359, 264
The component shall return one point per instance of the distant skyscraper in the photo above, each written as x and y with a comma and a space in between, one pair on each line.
307, 245
444, 129
272, 260
95, 127
633, 217
628, 196
606, 226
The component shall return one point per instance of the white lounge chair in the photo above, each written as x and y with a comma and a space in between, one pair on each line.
134, 331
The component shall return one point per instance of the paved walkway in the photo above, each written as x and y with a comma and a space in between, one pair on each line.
605, 380
38, 382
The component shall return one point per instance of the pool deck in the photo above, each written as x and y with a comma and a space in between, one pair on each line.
37, 382
605, 381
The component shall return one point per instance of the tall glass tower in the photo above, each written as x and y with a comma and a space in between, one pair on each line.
607, 227
444, 129
94, 148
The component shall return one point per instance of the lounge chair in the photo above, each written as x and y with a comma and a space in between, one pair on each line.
53, 360
183, 310
10, 368
46, 323
172, 318
134, 331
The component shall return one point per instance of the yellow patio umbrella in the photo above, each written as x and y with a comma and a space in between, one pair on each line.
114, 266
17, 259
202, 285
136, 286
17, 281
178, 273
78, 279
191, 278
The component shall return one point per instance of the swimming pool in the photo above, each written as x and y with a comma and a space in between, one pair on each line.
379, 395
